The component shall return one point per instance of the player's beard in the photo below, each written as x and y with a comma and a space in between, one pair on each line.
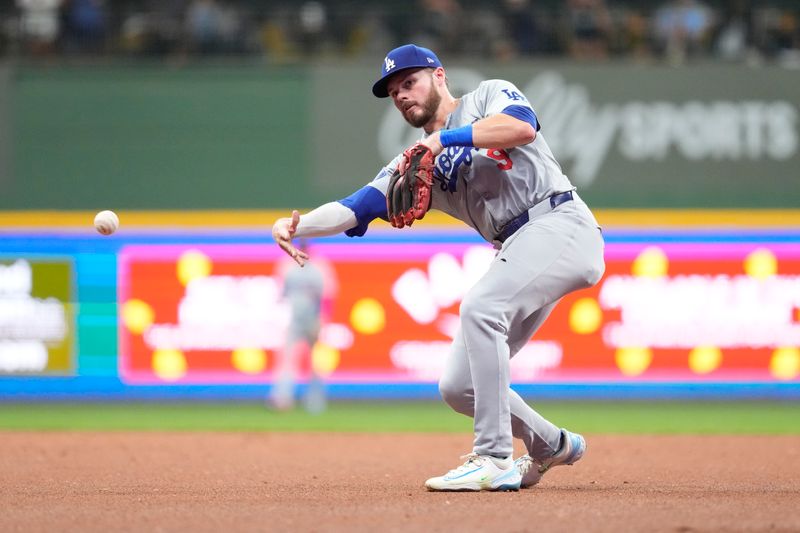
427, 109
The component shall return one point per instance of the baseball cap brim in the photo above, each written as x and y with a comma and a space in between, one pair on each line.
381, 90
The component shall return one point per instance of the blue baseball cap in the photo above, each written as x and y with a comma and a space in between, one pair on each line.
402, 58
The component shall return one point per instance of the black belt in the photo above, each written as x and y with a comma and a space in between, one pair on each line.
515, 223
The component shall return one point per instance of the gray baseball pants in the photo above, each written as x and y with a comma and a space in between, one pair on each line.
557, 252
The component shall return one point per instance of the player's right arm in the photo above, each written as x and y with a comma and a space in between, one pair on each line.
327, 219
351, 215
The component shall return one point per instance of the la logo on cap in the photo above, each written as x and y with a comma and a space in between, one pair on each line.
390, 63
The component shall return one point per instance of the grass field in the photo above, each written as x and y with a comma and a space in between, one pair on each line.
590, 417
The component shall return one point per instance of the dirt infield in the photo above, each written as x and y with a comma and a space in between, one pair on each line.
357, 482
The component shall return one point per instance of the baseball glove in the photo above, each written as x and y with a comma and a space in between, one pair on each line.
408, 197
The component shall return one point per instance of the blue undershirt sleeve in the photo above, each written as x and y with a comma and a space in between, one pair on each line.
368, 203
524, 114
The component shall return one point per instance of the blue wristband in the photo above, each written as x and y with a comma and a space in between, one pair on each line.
457, 137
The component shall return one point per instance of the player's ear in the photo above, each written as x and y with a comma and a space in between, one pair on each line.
439, 76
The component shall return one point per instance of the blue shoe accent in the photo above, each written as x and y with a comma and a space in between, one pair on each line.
511, 480
462, 475
577, 447
572, 449
573, 446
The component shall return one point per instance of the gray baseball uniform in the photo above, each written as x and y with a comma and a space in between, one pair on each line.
549, 244
303, 289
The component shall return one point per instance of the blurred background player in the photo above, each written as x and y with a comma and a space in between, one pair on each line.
309, 291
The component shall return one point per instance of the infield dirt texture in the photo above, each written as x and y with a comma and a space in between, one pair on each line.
246, 481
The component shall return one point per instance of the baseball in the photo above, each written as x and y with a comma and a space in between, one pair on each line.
106, 222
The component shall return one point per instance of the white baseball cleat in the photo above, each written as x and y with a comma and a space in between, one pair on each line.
573, 447
479, 472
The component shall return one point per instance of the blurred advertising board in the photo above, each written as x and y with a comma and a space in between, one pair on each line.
37, 316
627, 135
666, 310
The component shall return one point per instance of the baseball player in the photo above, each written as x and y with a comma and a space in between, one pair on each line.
304, 289
483, 160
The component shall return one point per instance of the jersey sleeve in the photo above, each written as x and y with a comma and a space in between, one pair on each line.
500, 96
369, 202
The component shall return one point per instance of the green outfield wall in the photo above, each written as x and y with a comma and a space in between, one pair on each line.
157, 137
704, 136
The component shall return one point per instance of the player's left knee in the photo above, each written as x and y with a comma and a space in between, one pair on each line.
595, 273
456, 396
